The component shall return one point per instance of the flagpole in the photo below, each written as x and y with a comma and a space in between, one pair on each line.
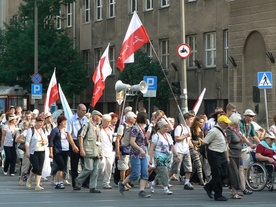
167, 79
122, 109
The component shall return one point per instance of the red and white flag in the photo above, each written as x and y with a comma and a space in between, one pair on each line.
135, 38
199, 101
52, 93
101, 72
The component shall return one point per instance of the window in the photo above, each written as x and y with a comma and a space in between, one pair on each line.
191, 40
69, 15
148, 5
165, 3
148, 50
98, 55
86, 13
164, 51
86, 59
58, 20
111, 8
99, 10
112, 59
210, 49
133, 6
225, 47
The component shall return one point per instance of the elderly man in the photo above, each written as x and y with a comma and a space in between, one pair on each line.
216, 154
74, 124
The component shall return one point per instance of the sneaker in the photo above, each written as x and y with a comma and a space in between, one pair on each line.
247, 192
143, 194
107, 187
12, 174
152, 186
188, 186
94, 190
128, 186
59, 186
121, 188
5, 173
39, 188
168, 192
169, 185
66, 182
29, 183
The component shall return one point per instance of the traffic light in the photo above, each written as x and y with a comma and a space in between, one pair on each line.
176, 88
256, 94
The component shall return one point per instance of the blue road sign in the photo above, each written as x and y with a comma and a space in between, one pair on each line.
152, 82
264, 80
36, 78
36, 89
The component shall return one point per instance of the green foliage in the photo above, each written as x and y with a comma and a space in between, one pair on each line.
145, 66
55, 49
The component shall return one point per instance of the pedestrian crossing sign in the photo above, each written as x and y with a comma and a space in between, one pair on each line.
264, 80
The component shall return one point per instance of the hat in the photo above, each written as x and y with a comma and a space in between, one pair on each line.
47, 115
95, 112
12, 107
35, 111
127, 109
12, 117
270, 135
161, 123
249, 112
224, 118
130, 114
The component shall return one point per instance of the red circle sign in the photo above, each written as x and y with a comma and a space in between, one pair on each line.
184, 51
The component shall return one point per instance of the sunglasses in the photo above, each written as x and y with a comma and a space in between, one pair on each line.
251, 116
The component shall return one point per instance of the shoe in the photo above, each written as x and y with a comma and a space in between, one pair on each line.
12, 174
39, 188
5, 173
208, 191
66, 182
29, 183
25, 178
168, 192
77, 185
143, 194
173, 177
222, 198
152, 188
235, 196
128, 186
107, 187
21, 182
169, 185
93, 190
121, 188
247, 192
188, 186
59, 186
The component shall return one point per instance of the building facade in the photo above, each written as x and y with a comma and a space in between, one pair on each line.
217, 31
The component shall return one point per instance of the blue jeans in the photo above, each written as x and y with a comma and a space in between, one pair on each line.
139, 168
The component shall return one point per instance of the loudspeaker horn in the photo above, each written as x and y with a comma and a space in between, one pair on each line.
142, 86
120, 86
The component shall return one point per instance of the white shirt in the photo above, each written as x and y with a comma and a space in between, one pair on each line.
182, 146
107, 147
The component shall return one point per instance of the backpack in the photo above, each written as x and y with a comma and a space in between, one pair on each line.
125, 141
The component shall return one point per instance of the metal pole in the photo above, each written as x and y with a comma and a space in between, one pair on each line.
266, 111
35, 44
183, 82
149, 115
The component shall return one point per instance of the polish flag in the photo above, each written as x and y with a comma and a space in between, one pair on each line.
101, 72
52, 93
135, 38
199, 101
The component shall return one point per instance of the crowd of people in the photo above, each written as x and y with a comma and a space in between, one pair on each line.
214, 152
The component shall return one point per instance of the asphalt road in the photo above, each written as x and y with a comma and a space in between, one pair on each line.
12, 194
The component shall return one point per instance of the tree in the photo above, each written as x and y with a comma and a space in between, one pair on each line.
145, 66
55, 49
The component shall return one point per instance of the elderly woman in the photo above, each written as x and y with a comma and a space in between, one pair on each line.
8, 141
138, 156
266, 149
36, 141
234, 139
162, 147
59, 149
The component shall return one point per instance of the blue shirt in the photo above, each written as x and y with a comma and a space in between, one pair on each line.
74, 124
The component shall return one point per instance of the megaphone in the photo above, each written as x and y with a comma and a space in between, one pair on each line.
120, 86
142, 86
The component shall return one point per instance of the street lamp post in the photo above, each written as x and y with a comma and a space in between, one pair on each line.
35, 44
183, 82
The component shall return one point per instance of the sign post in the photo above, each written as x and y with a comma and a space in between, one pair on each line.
264, 82
152, 87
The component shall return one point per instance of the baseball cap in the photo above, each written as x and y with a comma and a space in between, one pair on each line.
224, 118
130, 114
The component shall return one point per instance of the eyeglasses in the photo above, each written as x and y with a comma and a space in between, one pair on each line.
251, 116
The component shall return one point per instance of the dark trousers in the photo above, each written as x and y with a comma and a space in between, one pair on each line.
37, 161
10, 159
219, 171
74, 162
